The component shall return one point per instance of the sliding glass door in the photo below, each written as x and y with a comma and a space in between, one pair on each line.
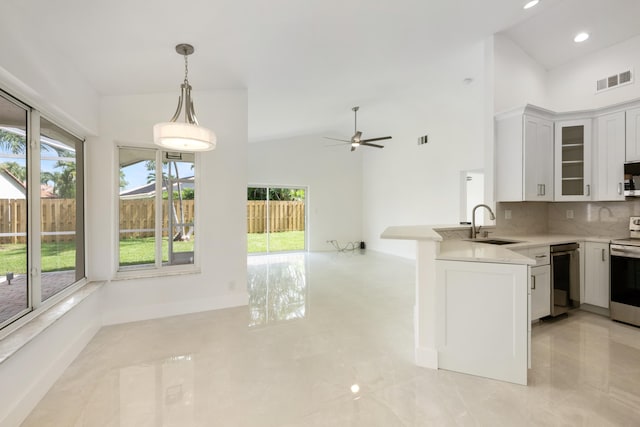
276, 219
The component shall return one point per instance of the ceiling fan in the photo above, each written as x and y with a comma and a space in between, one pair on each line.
356, 140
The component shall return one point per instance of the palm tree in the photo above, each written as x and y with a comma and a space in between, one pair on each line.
12, 143
15, 169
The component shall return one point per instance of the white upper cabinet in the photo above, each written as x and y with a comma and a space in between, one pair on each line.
538, 159
633, 135
609, 157
573, 160
524, 157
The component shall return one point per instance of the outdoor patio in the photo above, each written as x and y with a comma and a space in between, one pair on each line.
13, 297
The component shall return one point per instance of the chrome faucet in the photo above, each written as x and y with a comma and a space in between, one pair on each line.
474, 232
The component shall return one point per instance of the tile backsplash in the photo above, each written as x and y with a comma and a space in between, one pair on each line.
526, 218
610, 219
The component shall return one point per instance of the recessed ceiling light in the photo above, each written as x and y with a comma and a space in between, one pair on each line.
580, 37
530, 4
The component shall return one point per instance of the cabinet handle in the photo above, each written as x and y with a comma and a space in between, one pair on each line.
620, 188
544, 190
588, 189
533, 282
602, 254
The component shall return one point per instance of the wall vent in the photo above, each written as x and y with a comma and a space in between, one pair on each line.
616, 80
423, 140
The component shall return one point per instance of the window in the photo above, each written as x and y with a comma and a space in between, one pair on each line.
41, 210
156, 209
276, 219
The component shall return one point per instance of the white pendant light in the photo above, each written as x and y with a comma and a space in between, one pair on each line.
185, 135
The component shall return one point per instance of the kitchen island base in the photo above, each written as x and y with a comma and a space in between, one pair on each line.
482, 318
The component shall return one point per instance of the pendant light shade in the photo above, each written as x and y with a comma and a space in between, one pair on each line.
185, 135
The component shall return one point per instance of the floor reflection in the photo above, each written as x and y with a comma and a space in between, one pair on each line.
277, 286
160, 393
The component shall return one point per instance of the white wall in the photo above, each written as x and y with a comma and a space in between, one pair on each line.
333, 176
220, 215
572, 86
518, 78
408, 184
31, 70
33, 73
27, 375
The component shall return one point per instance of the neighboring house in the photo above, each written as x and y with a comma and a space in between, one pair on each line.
10, 186
149, 190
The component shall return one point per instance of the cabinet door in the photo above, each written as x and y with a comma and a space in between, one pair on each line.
596, 281
538, 159
573, 160
608, 162
540, 291
633, 135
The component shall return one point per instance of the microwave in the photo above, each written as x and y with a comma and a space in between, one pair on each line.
632, 179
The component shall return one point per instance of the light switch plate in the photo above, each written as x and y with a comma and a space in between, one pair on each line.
507, 214
569, 213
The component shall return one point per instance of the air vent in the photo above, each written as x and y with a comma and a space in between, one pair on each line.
625, 77
616, 80
423, 140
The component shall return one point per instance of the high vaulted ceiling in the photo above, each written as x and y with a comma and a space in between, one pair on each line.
304, 63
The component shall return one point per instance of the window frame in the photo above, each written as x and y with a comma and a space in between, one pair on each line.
156, 269
35, 303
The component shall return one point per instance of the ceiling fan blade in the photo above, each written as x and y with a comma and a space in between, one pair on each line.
382, 138
342, 144
336, 139
371, 145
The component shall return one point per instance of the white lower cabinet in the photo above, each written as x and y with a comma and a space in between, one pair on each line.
482, 320
540, 291
539, 282
596, 274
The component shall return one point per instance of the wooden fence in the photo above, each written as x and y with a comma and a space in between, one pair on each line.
283, 216
58, 221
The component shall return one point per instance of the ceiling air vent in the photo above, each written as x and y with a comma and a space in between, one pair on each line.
616, 80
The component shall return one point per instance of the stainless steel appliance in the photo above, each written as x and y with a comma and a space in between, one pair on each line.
565, 278
632, 179
625, 276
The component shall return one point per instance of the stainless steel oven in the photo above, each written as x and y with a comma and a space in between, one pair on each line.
625, 281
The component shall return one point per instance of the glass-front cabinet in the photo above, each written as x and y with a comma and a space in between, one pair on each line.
573, 160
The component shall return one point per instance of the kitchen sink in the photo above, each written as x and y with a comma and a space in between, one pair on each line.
493, 241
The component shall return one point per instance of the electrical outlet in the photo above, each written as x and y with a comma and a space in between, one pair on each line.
507, 214
569, 213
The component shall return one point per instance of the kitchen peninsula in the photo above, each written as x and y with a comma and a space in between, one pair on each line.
472, 304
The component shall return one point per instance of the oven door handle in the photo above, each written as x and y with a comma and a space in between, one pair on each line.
625, 251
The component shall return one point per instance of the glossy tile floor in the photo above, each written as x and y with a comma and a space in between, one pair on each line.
327, 341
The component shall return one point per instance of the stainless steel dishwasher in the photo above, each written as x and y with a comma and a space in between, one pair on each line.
565, 278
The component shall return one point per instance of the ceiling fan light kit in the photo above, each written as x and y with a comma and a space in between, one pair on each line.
356, 140
187, 135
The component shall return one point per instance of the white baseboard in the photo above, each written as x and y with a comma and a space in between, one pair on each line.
426, 357
116, 315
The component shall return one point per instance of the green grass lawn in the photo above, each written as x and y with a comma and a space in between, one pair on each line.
278, 242
61, 256
55, 257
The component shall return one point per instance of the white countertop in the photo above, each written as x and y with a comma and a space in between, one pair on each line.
464, 250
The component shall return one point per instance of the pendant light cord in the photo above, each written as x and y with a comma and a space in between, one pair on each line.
186, 69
